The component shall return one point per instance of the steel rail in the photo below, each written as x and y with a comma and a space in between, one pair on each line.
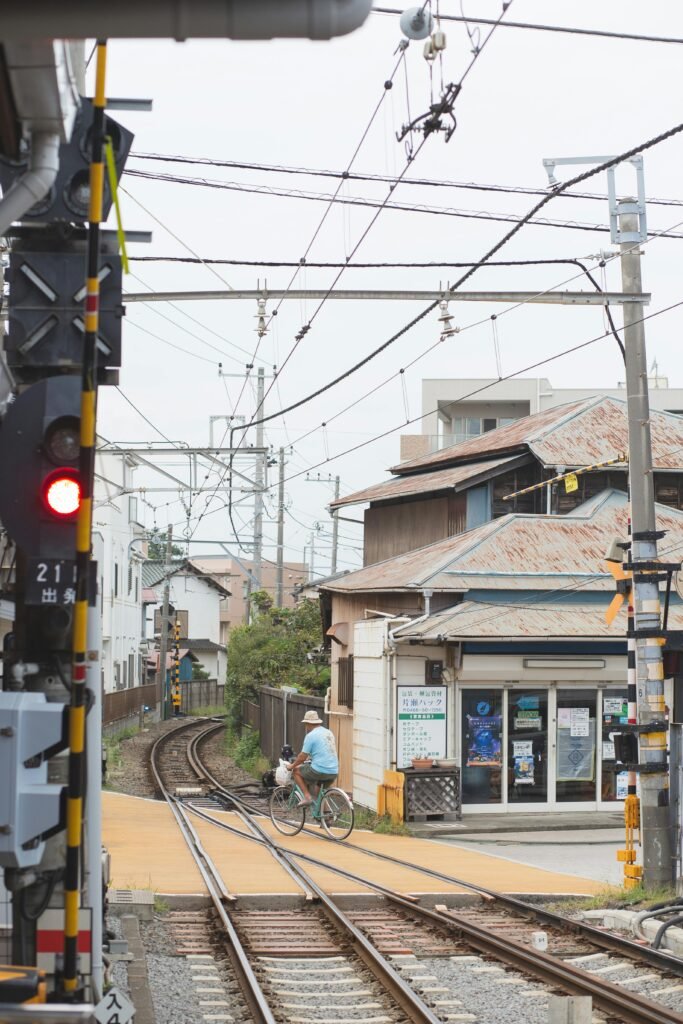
405, 997
627, 1006
249, 984
391, 982
606, 940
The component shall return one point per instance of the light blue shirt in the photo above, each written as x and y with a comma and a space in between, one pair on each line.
320, 746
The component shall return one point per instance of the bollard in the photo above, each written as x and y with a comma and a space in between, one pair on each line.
570, 1010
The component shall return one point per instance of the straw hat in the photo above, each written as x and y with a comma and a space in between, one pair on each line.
311, 718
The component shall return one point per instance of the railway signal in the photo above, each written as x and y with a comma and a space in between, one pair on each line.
69, 198
41, 492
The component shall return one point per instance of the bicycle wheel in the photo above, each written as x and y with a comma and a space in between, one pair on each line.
285, 812
336, 814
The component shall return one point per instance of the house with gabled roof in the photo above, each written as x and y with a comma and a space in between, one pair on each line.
505, 625
195, 597
444, 493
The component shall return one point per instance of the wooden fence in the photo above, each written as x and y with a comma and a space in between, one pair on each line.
125, 703
200, 693
277, 718
194, 693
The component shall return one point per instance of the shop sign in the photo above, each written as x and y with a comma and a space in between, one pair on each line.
422, 722
527, 718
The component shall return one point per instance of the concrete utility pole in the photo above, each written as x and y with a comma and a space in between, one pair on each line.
163, 634
654, 780
279, 575
259, 478
335, 529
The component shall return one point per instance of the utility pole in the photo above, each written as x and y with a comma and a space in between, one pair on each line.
335, 529
279, 574
654, 779
259, 477
163, 634
311, 555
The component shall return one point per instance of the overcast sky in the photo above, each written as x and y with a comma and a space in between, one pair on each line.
530, 95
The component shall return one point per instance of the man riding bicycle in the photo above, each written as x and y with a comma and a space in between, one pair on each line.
317, 763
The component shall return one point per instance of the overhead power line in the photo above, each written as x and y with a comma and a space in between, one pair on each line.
635, 37
376, 204
436, 264
477, 391
313, 172
521, 222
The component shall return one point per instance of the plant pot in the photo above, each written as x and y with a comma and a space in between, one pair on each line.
422, 763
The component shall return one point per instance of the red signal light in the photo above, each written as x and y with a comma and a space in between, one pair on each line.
62, 493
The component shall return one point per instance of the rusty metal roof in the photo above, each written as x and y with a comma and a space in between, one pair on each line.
443, 479
479, 620
573, 435
517, 552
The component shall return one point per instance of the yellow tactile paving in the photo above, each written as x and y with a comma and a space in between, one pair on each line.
148, 852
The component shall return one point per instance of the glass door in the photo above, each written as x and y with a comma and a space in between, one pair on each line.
527, 747
575, 751
481, 724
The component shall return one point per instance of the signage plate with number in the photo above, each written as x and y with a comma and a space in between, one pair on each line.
114, 1008
51, 581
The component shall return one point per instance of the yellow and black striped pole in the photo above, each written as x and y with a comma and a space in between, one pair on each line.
176, 670
74, 805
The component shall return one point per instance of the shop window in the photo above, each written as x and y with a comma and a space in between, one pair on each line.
482, 746
527, 746
576, 745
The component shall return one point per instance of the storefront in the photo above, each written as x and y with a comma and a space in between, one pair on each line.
539, 747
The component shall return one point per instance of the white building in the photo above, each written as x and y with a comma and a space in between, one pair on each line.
117, 541
195, 598
455, 410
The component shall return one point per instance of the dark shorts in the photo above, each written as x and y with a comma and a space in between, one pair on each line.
310, 775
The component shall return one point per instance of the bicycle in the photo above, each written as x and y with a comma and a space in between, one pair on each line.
331, 807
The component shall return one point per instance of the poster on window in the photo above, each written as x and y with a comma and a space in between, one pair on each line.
483, 741
422, 722
524, 771
576, 755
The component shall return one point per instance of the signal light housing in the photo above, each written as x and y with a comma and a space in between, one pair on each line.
39, 450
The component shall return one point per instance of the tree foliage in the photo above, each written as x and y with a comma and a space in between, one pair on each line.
156, 546
273, 651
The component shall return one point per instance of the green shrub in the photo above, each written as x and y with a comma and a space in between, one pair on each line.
245, 751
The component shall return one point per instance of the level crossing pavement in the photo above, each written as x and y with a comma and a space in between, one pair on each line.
148, 852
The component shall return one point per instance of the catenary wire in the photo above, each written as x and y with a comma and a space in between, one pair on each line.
477, 391
387, 86
382, 178
386, 204
521, 222
636, 37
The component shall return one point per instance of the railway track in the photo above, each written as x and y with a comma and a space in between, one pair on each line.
316, 963
401, 961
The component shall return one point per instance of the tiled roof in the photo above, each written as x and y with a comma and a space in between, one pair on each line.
450, 479
516, 552
578, 434
479, 620
154, 572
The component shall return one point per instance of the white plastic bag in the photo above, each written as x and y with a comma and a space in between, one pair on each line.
283, 776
